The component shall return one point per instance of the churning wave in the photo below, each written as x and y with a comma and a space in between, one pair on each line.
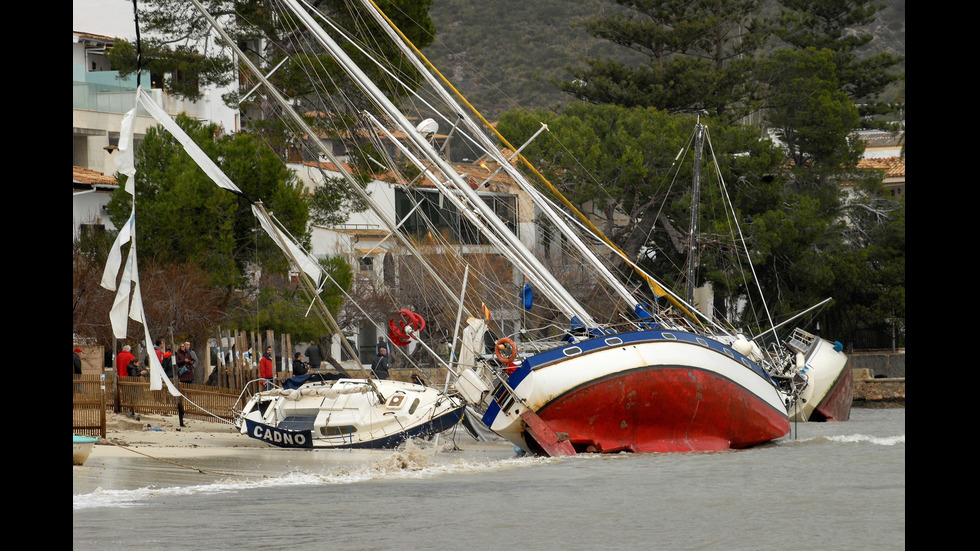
411, 462
851, 439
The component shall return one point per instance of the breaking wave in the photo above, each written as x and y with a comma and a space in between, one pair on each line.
411, 462
851, 439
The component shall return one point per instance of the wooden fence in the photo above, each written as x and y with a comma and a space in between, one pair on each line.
93, 395
88, 405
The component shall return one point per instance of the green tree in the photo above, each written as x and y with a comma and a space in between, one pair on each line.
835, 26
184, 218
814, 120
698, 55
285, 307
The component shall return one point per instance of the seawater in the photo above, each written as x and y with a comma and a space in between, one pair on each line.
826, 486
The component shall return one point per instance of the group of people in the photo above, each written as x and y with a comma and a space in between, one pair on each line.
182, 363
185, 360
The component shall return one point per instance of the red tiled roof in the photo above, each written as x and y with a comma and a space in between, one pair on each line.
91, 177
894, 167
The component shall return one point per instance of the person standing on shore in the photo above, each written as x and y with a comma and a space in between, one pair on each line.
380, 366
267, 367
313, 355
186, 370
168, 363
123, 359
158, 350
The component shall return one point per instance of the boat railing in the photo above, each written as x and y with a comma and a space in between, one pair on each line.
800, 341
248, 391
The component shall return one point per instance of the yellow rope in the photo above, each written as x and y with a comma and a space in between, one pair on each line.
654, 286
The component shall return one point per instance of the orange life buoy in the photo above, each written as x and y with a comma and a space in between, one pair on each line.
503, 344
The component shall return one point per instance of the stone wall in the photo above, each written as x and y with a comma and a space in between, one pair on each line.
887, 365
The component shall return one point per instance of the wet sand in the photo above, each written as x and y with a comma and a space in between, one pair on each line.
155, 452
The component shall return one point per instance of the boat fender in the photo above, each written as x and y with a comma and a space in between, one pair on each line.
502, 347
742, 345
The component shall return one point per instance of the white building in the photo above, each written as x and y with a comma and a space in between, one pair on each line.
100, 98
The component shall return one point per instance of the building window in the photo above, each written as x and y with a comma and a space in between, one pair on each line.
432, 212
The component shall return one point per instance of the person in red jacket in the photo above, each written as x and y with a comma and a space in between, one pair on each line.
267, 368
123, 360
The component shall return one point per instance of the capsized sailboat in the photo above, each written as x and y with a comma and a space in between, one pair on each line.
669, 385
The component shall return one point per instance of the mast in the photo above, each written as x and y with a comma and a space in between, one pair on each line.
326, 152
695, 207
491, 149
513, 247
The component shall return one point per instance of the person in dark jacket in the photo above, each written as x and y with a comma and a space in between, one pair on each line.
380, 365
299, 368
313, 354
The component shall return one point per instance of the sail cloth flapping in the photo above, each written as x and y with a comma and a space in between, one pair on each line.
125, 305
129, 284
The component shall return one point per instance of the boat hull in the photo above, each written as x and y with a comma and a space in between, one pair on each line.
836, 405
649, 391
81, 448
830, 385
347, 413
285, 438
663, 409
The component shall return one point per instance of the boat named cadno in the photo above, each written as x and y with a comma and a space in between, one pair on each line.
347, 413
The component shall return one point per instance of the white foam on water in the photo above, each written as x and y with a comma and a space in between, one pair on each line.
411, 462
849, 439
881, 441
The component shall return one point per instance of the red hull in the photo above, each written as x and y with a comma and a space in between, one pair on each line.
663, 410
836, 406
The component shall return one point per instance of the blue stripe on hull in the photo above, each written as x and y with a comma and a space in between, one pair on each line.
303, 439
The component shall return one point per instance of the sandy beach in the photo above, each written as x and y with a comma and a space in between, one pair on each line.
153, 451
162, 436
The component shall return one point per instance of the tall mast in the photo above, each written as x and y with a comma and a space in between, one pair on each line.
695, 205
512, 245
326, 152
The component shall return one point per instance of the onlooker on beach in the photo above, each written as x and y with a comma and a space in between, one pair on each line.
76, 361
158, 350
299, 368
186, 359
313, 355
123, 359
267, 367
380, 365
168, 362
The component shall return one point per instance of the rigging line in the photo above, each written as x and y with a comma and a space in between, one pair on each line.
516, 175
744, 244
412, 93
656, 286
